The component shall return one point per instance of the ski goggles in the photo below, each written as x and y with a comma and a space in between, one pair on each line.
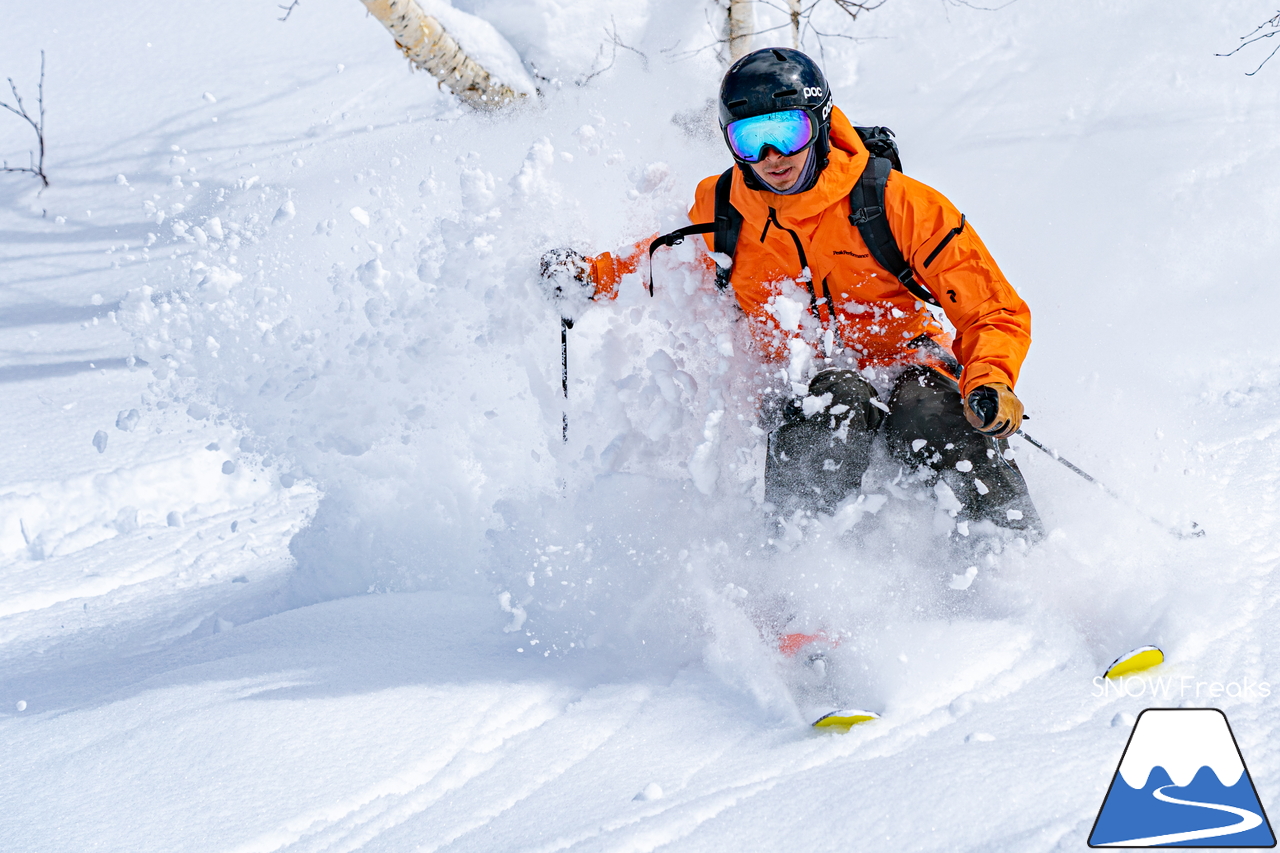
789, 131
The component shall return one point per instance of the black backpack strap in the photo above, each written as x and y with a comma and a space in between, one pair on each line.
726, 228
866, 211
728, 220
675, 238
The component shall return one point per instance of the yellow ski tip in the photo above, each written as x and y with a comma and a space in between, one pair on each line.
844, 719
1141, 658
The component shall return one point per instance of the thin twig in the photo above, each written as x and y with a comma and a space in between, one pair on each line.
288, 10
38, 127
853, 8
786, 10
614, 42
803, 19
850, 7
772, 29
969, 5
613, 37
1264, 62
1274, 23
594, 74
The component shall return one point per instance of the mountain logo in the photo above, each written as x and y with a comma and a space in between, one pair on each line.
1182, 782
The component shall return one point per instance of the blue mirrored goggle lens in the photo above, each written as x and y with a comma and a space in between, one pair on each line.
788, 131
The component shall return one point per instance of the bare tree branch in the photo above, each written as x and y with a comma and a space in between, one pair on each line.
614, 42
613, 56
796, 12
1274, 23
288, 10
969, 5
675, 55
37, 167
853, 8
799, 15
1264, 62
617, 42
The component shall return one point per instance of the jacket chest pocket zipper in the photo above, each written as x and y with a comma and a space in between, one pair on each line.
804, 261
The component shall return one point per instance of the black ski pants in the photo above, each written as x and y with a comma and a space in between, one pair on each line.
816, 460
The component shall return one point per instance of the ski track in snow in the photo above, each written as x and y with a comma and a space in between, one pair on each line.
340, 586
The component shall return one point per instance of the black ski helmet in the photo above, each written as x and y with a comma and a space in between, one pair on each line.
774, 79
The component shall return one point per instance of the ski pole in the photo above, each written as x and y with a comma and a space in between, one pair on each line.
1196, 529
565, 325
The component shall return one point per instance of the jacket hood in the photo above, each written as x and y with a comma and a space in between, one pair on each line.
843, 136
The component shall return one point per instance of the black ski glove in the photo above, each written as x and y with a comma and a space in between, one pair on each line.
566, 274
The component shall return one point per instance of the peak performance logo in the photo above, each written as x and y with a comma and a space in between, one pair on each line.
1181, 782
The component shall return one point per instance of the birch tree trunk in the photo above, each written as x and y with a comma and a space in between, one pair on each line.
742, 28
793, 7
430, 47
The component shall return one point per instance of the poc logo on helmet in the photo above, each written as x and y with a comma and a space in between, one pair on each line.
812, 92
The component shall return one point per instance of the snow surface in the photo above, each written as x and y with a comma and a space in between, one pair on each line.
334, 582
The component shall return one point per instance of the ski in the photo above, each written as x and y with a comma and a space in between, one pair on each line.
844, 719
791, 645
1140, 659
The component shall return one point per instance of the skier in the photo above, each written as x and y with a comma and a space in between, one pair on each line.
950, 403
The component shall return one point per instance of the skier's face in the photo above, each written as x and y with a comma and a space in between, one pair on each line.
781, 173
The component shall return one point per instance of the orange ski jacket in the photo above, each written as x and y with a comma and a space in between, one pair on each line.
874, 315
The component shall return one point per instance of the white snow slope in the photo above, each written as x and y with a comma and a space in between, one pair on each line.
334, 582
